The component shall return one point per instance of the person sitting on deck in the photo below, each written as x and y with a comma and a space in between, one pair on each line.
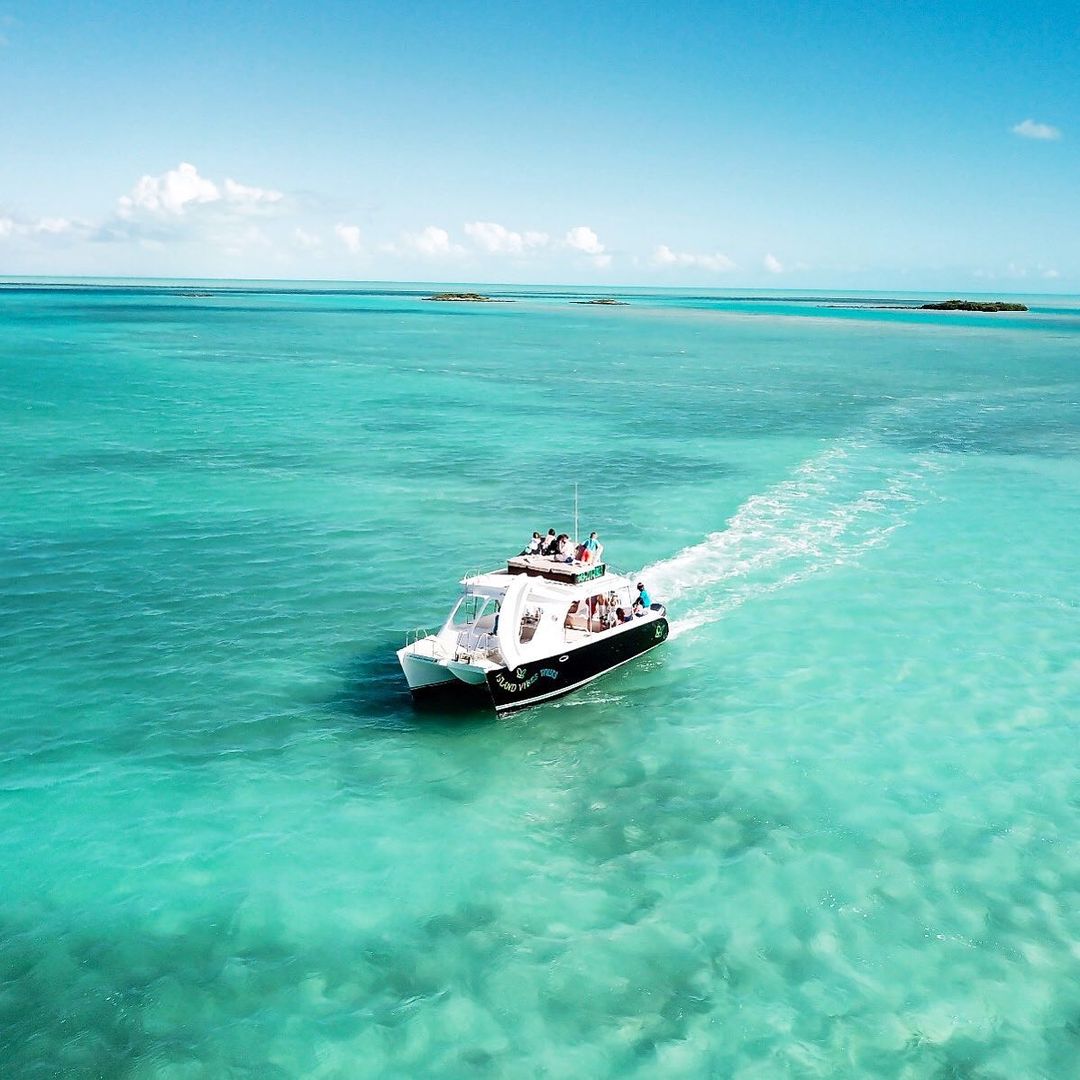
564, 551
548, 543
623, 616
643, 601
534, 545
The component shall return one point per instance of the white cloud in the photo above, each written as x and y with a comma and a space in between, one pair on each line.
431, 242
499, 240
243, 195
53, 226
1050, 275
715, 262
169, 193
772, 264
601, 262
349, 235
175, 192
1029, 129
582, 238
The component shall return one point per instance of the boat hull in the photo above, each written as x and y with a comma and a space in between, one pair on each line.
424, 672
552, 676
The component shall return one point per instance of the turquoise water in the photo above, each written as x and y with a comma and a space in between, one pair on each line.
831, 829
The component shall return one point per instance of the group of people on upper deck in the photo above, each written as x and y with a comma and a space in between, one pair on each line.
561, 548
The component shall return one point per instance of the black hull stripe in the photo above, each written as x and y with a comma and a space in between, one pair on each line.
525, 703
552, 676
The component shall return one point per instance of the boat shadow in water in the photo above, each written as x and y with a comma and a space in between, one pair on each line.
373, 690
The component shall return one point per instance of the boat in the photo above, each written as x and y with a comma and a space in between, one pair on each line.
536, 630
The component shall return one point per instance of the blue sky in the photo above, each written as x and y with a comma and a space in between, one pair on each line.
886, 146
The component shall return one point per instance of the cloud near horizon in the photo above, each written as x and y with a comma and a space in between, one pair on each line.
497, 239
42, 227
349, 235
716, 262
1030, 129
432, 242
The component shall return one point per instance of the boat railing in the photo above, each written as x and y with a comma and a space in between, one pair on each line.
417, 634
471, 645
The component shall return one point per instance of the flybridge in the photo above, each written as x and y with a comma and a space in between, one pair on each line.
566, 573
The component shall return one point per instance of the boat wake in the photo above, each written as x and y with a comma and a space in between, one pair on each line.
833, 508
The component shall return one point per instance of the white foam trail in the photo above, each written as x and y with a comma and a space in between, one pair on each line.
834, 507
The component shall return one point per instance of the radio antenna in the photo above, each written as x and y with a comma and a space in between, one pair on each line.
576, 536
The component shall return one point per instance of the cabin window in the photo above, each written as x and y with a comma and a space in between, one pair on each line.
530, 620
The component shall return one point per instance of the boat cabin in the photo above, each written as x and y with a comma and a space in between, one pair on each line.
534, 609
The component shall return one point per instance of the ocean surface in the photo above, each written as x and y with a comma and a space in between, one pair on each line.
831, 829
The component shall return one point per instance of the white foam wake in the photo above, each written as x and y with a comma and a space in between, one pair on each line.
834, 507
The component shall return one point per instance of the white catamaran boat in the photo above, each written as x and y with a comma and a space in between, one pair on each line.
537, 629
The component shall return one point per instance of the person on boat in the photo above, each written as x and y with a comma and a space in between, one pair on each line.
564, 550
643, 601
548, 543
590, 550
623, 616
534, 545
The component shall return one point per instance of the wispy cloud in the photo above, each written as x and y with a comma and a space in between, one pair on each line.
772, 264
716, 261
42, 227
305, 240
1017, 272
1030, 129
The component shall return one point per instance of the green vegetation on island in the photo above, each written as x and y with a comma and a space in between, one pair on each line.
469, 297
973, 305
608, 301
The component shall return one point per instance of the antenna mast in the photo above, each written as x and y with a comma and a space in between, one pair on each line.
576, 536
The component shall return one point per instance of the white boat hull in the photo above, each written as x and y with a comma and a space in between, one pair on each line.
424, 672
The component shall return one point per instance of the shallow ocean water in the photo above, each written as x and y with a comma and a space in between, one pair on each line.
831, 829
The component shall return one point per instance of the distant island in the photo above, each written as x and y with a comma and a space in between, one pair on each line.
467, 297
607, 300
972, 305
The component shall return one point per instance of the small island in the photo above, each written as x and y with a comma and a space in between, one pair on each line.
609, 301
465, 297
972, 305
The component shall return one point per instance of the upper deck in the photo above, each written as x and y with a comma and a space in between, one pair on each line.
564, 573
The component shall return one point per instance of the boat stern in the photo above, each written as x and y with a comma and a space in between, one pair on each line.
423, 668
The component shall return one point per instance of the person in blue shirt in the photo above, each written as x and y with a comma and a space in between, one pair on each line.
590, 549
641, 604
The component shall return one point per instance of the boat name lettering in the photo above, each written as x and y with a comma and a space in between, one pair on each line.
513, 687
549, 673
